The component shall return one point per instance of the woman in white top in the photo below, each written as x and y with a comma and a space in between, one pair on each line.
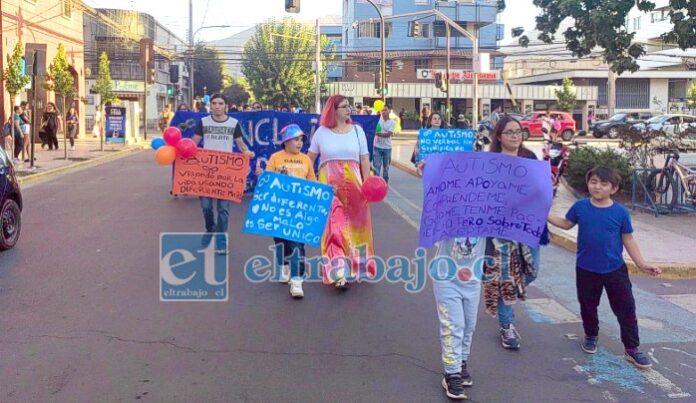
345, 160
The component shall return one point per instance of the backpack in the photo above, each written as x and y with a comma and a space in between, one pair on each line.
7, 129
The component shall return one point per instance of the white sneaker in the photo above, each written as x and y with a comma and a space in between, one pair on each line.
296, 288
284, 274
72, 148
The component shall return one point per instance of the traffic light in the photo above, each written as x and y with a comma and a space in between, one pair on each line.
170, 90
438, 81
174, 73
292, 6
386, 90
415, 29
378, 79
151, 76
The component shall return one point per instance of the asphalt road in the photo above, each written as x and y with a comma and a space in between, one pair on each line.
82, 320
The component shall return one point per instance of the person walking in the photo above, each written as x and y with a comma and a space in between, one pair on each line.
345, 163
382, 147
425, 117
165, 117
51, 123
290, 255
219, 132
72, 121
17, 134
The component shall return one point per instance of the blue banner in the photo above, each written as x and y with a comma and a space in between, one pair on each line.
484, 194
261, 129
115, 124
289, 208
439, 141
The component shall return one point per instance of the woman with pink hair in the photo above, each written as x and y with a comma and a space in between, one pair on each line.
345, 162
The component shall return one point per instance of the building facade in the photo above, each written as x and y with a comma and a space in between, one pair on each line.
118, 33
41, 25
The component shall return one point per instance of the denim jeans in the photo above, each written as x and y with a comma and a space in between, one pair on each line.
223, 218
381, 162
506, 315
290, 253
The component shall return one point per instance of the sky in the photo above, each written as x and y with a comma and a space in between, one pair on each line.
243, 14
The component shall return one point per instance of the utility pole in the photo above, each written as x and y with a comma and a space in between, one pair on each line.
611, 99
448, 106
383, 66
317, 72
190, 40
477, 67
34, 71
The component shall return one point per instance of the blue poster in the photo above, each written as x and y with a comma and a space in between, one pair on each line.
115, 124
289, 208
484, 194
438, 141
261, 129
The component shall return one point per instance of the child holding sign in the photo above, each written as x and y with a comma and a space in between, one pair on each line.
604, 229
290, 255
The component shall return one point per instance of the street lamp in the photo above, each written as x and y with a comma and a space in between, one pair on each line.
191, 40
383, 35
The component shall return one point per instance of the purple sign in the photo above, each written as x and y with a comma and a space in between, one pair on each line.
484, 194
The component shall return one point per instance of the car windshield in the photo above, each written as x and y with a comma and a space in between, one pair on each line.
618, 117
658, 119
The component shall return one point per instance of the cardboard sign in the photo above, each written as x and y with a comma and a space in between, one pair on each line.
289, 208
216, 174
437, 141
485, 194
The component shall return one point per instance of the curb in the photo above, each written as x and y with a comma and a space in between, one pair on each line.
37, 177
670, 270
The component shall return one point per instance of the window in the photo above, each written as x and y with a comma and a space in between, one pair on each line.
372, 30
636, 23
67, 8
425, 30
421, 64
659, 15
368, 66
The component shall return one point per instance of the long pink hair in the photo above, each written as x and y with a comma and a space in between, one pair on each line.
328, 115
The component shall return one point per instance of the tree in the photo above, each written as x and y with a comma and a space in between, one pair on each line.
208, 69
236, 90
691, 95
60, 81
104, 88
13, 76
278, 62
566, 95
601, 23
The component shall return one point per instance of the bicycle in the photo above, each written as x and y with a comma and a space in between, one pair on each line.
672, 174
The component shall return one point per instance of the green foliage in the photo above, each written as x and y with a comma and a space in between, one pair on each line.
601, 23
278, 63
236, 90
103, 86
208, 70
566, 95
13, 76
411, 115
691, 94
583, 159
59, 79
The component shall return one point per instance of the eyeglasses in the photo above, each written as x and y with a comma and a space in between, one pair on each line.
344, 107
513, 133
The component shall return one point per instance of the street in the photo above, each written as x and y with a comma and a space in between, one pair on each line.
82, 319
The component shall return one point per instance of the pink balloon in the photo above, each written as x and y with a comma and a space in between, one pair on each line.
172, 135
374, 189
186, 148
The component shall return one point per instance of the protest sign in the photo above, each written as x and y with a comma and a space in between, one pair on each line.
289, 208
484, 194
436, 141
209, 173
260, 130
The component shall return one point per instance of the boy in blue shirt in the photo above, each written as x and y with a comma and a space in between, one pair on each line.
604, 229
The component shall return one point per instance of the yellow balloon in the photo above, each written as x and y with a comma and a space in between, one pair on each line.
165, 155
379, 105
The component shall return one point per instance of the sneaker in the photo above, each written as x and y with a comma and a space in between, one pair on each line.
637, 358
453, 386
509, 337
341, 284
284, 274
466, 377
296, 288
590, 345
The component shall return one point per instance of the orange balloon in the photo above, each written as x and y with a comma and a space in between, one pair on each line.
165, 155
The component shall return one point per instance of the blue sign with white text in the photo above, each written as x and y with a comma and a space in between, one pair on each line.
115, 121
289, 208
260, 130
439, 141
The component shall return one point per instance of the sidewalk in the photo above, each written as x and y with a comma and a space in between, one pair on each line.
667, 240
87, 153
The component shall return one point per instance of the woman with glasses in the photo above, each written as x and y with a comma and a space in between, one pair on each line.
345, 160
522, 261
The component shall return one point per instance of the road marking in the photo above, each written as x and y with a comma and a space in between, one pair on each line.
608, 396
546, 310
404, 199
685, 301
679, 351
402, 214
650, 324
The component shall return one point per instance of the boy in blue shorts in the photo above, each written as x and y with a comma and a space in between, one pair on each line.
604, 229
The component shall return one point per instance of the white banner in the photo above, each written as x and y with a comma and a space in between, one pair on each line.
461, 75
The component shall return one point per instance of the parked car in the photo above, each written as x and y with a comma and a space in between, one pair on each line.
532, 123
679, 132
10, 204
611, 126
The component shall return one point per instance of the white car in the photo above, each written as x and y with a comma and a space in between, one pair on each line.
679, 131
